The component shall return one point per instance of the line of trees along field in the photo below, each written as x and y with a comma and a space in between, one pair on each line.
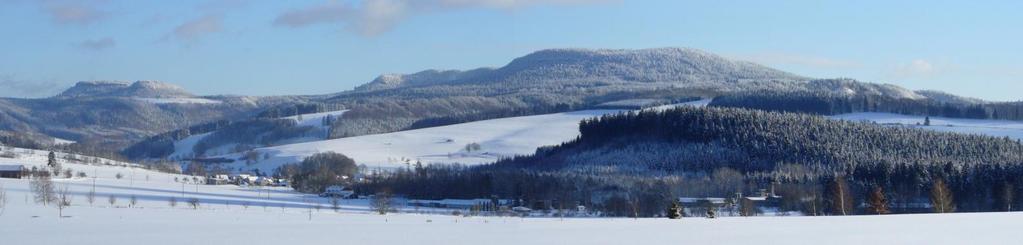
638, 163
829, 103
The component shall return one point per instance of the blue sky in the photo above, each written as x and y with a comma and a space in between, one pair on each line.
271, 47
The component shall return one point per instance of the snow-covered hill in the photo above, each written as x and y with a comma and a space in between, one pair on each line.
497, 138
997, 128
184, 148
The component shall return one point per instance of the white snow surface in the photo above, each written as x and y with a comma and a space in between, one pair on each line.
280, 216
997, 128
183, 148
698, 103
631, 102
498, 138
315, 119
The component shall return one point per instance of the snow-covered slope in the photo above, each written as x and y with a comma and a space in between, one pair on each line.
997, 128
498, 138
184, 148
315, 119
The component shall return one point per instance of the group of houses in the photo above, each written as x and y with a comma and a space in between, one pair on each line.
244, 180
764, 201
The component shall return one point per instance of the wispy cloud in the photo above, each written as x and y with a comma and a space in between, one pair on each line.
97, 44
374, 17
10, 86
918, 68
74, 12
199, 27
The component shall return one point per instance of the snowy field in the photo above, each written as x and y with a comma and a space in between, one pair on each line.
997, 128
497, 138
280, 216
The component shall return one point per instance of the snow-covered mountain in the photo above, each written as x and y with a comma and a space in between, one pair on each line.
672, 65
140, 89
116, 114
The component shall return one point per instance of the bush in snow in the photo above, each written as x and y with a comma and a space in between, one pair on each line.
194, 203
63, 199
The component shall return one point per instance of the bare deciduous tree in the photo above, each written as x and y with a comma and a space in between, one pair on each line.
381, 202
941, 197
3, 199
841, 199
335, 203
42, 189
63, 199
91, 197
173, 202
878, 201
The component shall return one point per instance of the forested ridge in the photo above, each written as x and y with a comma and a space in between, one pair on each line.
652, 157
828, 103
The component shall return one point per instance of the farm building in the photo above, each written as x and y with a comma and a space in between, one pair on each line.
12, 171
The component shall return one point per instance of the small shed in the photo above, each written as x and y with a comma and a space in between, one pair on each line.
12, 171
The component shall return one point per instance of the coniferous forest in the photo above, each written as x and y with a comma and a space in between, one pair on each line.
636, 163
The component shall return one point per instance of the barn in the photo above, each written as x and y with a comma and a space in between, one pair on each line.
12, 171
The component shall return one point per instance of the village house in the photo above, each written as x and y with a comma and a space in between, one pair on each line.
12, 171
459, 203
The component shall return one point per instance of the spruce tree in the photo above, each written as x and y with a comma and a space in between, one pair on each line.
675, 211
51, 161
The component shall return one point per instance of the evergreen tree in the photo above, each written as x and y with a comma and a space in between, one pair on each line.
675, 211
51, 161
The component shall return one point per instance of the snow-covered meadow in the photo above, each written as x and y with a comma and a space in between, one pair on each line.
997, 128
232, 214
497, 138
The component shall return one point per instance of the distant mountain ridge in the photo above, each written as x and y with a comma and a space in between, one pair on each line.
671, 65
545, 81
143, 89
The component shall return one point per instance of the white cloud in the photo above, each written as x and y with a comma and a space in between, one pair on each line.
13, 87
97, 44
374, 17
198, 27
915, 68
